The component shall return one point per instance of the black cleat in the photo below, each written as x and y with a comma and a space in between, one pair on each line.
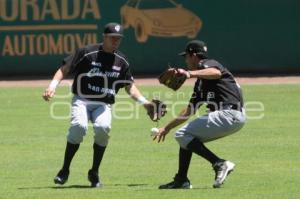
222, 170
93, 177
62, 177
177, 183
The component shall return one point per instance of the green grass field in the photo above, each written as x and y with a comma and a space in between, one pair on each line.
266, 151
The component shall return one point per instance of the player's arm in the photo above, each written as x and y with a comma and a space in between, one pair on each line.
136, 95
207, 73
155, 108
184, 115
58, 76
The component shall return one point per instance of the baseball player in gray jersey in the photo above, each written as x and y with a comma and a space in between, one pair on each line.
216, 87
100, 71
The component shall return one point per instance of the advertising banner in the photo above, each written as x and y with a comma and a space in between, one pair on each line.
246, 36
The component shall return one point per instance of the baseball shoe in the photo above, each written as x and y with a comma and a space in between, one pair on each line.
222, 170
93, 177
61, 177
177, 183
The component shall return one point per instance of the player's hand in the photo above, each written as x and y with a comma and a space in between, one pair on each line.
147, 106
184, 72
161, 134
156, 109
49, 93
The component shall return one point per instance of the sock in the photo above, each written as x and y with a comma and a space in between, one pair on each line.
185, 157
70, 151
198, 147
98, 155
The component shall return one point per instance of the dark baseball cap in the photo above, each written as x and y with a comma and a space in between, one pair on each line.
195, 46
113, 29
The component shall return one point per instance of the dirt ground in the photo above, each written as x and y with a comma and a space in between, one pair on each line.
152, 81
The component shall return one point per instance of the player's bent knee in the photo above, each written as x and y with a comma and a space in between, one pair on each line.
101, 138
101, 135
183, 138
76, 134
102, 129
181, 141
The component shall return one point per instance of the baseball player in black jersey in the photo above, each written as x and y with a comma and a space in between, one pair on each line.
217, 88
100, 70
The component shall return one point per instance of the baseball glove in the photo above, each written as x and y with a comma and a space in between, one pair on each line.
172, 78
157, 110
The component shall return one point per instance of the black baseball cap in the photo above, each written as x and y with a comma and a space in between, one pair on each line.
195, 46
113, 29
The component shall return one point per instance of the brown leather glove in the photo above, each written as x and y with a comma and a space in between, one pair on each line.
172, 78
157, 110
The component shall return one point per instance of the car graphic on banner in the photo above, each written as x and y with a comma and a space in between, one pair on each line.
161, 18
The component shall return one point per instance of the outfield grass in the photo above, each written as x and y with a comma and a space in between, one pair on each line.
32, 144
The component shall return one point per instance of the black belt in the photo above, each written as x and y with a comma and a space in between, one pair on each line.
226, 107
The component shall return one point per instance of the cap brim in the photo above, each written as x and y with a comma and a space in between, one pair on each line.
113, 34
182, 54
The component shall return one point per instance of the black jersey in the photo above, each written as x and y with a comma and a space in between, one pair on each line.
98, 75
216, 93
